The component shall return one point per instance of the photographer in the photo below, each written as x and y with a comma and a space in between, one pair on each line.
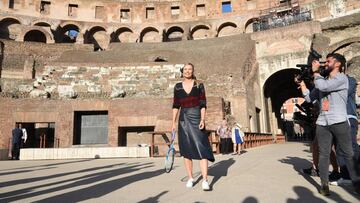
331, 92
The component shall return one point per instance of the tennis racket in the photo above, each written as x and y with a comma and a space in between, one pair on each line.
170, 156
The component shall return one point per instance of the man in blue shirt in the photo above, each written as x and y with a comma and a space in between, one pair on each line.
332, 123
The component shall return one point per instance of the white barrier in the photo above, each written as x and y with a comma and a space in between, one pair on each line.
86, 152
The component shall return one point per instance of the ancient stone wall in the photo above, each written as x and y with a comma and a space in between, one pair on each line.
103, 22
162, 11
15, 53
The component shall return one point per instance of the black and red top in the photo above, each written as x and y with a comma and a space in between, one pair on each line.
196, 97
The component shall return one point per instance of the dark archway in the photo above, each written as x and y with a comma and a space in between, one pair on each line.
174, 33
200, 32
226, 29
92, 38
149, 34
8, 28
42, 24
121, 35
279, 87
67, 33
35, 36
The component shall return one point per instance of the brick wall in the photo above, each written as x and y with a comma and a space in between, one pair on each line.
121, 113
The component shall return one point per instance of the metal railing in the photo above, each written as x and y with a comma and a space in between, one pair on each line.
273, 21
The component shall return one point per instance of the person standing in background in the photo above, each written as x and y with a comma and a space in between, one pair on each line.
225, 137
16, 142
237, 137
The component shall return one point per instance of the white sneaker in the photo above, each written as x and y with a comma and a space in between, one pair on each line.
190, 183
341, 181
205, 185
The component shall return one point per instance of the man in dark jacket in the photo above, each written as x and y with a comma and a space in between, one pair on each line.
16, 142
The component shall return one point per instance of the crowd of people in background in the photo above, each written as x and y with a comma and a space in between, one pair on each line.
281, 19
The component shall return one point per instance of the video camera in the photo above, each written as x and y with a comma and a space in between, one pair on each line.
305, 69
305, 108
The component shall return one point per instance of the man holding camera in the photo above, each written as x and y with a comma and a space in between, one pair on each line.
331, 91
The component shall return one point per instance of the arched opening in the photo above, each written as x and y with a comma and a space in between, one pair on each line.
9, 28
297, 119
35, 36
42, 24
173, 34
252, 25
226, 29
200, 32
278, 88
97, 36
122, 35
149, 34
68, 33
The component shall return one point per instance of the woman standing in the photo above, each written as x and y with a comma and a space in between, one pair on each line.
224, 132
189, 97
237, 137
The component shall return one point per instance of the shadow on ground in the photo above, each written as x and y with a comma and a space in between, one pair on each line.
94, 191
153, 199
305, 195
36, 168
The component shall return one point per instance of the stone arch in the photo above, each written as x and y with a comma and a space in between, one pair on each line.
350, 48
150, 34
35, 35
284, 80
18, 20
174, 33
68, 33
200, 32
43, 23
97, 35
10, 28
339, 45
74, 23
225, 29
123, 34
249, 25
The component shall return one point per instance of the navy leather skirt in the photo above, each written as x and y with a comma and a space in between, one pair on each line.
193, 142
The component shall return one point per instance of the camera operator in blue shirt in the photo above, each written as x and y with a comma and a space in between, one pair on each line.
331, 91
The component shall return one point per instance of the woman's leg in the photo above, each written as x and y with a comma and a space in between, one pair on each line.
235, 148
204, 168
189, 167
239, 148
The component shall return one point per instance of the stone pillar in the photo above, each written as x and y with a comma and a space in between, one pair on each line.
29, 71
239, 110
80, 38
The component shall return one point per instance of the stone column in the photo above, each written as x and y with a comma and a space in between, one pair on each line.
80, 38
29, 71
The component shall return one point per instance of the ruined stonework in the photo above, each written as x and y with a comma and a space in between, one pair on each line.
121, 59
